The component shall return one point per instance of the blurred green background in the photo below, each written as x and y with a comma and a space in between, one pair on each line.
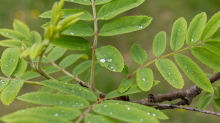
163, 12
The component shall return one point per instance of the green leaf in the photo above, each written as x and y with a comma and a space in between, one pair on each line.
194, 73
67, 61
29, 75
65, 78
110, 57
178, 34
9, 61
14, 43
138, 54
35, 37
72, 43
159, 43
196, 28
71, 89
211, 27
22, 28
133, 89
26, 117
50, 69
3, 83
150, 111
216, 36
11, 91
55, 112
170, 72
21, 68
98, 2
91, 118
13, 34
79, 29
43, 98
116, 7
206, 57
204, 101
155, 82
124, 113
82, 67
144, 78
125, 85
125, 25
98, 67
125, 70
216, 103
83, 2
50, 47
56, 53
213, 46
67, 12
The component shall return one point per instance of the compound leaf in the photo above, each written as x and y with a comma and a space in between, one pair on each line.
124, 113
125, 25
71, 89
9, 61
110, 57
68, 12
13, 34
72, 43
125, 85
21, 68
116, 7
22, 28
144, 78
138, 54
211, 27
91, 118
67, 61
194, 73
178, 34
11, 91
82, 67
44, 98
213, 46
206, 57
170, 72
56, 53
159, 43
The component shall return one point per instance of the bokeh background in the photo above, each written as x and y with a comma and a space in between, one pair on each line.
163, 12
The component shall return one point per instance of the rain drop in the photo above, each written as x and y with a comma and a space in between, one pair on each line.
102, 60
56, 114
128, 108
143, 79
140, 26
71, 33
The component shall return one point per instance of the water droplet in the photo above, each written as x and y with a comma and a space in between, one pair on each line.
56, 114
71, 33
141, 119
114, 70
109, 60
140, 26
116, 102
128, 108
110, 112
102, 60
148, 113
61, 102
143, 79
105, 105
154, 114
169, 73
192, 40
185, 66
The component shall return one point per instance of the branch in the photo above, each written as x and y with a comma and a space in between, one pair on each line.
179, 107
186, 96
26, 82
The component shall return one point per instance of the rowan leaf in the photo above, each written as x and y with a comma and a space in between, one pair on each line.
206, 57
125, 70
11, 91
178, 34
22, 28
69, 60
133, 89
144, 78
56, 53
91, 118
204, 101
170, 72
196, 28
213, 46
116, 7
125, 85
124, 113
72, 43
71, 89
35, 37
3, 83
216, 36
21, 68
13, 34
211, 27
9, 61
110, 57
125, 25
83, 2
159, 44
138, 54
194, 73
82, 67
44, 98
150, 111
68, 12
14, 43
